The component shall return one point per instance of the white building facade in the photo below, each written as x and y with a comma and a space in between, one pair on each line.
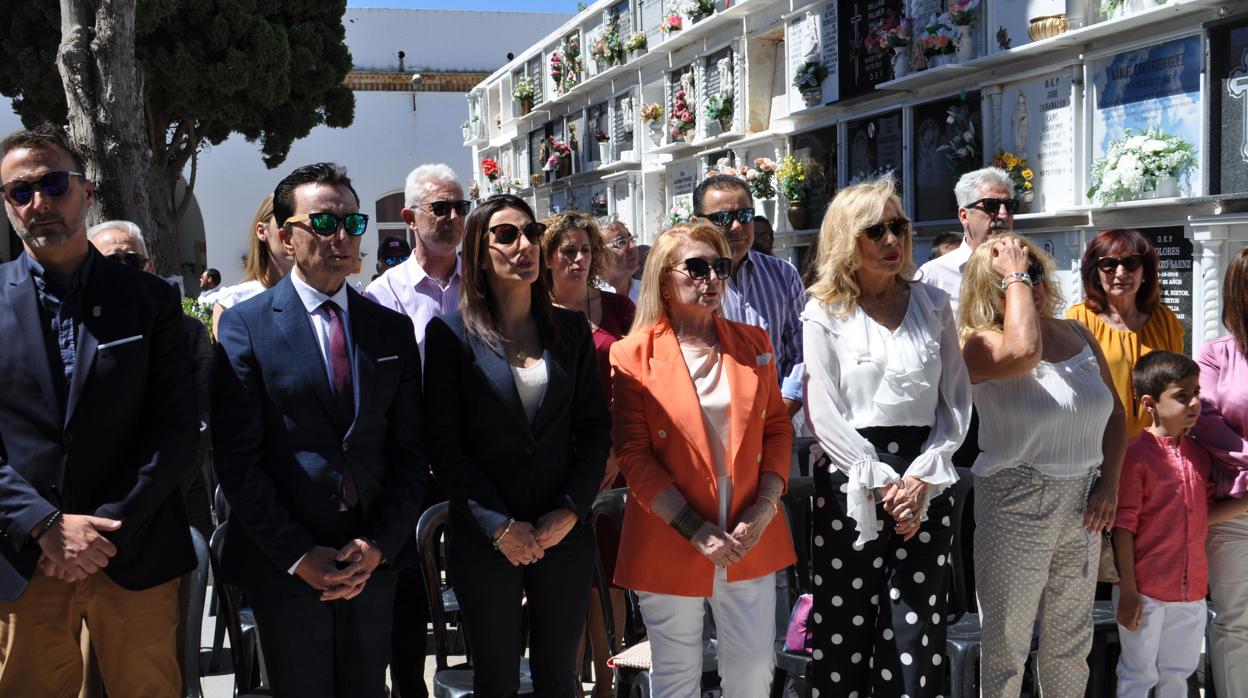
1055, 84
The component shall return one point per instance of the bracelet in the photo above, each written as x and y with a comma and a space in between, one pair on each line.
1015, 276
773, 501
687, 522
497, 542
48, 523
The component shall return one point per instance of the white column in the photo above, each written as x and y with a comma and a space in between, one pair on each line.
1207, 278
990, 117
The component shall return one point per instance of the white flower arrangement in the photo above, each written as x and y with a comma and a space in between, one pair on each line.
680, 212
1134, 163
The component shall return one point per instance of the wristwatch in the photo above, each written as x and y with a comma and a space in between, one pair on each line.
1015, 276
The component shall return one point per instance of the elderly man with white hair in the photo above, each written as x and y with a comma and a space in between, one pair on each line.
986, 207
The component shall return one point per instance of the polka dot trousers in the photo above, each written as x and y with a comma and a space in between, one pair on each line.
879, 612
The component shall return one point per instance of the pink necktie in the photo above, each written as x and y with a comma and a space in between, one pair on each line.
344, 391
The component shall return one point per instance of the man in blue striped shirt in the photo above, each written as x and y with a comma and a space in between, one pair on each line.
764, 291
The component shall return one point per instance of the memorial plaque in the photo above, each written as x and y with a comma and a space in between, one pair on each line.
622, 133
829, 39
1228, 106
820, 147
875, 147
1037, 121
933, 176
534, 70
860, 69
1174, 269
801, 40
685, 177
625, 22
535, 150
651, 16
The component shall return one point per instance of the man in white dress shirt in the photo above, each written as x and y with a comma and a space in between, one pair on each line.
986, 207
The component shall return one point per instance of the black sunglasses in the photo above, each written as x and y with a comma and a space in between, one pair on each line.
444, 208
899, 227
130, 259
723, 219
394, 260
1110, 264
991, 205
54, 184
326, 224
507, 233
700, 269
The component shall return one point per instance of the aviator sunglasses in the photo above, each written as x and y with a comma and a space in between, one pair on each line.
1110, 264
700, 269
507, 233
444, 208
326, 224
53, 184
899, 227
723, 219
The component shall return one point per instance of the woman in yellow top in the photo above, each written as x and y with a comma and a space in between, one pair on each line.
1121, 305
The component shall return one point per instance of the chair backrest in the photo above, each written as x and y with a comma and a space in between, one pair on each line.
608, 509
219, 506
797, 506
193, 620
249, 672
430, 534
605, 517
962, 568
801, 453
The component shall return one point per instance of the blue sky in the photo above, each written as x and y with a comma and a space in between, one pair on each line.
568, 6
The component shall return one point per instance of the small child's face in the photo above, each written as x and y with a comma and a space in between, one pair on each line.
1178, 406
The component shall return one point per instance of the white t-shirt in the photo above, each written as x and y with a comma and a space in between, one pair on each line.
238, 293
945, 273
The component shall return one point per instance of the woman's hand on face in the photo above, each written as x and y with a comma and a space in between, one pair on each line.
753, 522
1009, 257
1102, 507
718, 547
553, 526
519, 546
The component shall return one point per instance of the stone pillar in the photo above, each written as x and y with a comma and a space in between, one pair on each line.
990, 116
1209, 244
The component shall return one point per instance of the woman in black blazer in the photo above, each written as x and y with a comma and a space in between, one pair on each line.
518, 432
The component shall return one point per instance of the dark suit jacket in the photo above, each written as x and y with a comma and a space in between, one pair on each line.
277, 450
492, 463
127, 434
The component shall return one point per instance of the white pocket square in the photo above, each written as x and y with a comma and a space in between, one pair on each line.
119, 342
764, 359
384, 359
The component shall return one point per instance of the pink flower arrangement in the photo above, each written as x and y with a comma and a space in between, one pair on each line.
963, 12
682, 116
671, 23
891, 32
558, 149
556, 67
489, 168
939, 36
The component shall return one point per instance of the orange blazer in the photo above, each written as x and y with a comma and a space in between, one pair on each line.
660, 439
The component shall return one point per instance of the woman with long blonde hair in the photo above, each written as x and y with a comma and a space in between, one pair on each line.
267, 261
1052, 434
888, 399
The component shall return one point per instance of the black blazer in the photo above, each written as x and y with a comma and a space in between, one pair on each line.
492, 463
119, 447
277, 450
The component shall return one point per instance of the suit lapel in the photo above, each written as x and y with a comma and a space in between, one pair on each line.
292, 319
742, 366
97, 293
497, 373
669, 375
23, 307
364, 351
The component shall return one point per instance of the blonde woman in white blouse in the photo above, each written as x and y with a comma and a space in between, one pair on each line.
888, 398
1052, 433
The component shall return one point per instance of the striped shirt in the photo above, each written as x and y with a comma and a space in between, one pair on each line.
767, 292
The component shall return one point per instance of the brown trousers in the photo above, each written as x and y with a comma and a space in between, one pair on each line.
133, 633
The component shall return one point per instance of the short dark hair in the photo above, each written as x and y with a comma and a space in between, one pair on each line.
719, 181
328, 173
213, 274
45, 136
1157, 369
763, 219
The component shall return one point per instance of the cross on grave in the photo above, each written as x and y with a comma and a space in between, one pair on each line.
1237, 86
857, 45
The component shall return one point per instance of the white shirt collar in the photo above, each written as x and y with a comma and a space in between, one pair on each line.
312, 299
418, 274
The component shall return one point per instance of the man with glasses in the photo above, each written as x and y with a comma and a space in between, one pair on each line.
97, 426
318, 447
623, 256
986, 207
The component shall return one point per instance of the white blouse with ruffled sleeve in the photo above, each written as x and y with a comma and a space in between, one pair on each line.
859, 374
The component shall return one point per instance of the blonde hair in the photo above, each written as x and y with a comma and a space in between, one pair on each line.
981, 300
561, 224
651, 307
257, 263
853, 209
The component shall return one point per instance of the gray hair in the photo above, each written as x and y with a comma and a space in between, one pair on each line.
966, 191
425, 173
124, 226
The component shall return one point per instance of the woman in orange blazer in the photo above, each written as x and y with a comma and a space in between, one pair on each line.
704, 444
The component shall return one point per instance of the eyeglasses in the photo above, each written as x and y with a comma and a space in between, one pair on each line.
507, 233
622, 242
326, 224
723, 219
130, 259
1110, 265
991, 205
54, 184
394, 260
1035, 271
899, 226
700, 269
444, 208
571, 253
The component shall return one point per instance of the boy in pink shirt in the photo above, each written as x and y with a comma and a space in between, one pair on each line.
1164, 513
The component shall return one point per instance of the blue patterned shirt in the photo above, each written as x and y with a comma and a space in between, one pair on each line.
767, 292
60, 311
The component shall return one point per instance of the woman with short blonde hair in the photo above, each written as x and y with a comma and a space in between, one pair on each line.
704, 444
888, 399
1052, 433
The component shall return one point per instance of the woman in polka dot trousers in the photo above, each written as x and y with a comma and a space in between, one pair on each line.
888, 398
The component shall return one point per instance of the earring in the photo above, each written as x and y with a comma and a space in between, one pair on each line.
666, 294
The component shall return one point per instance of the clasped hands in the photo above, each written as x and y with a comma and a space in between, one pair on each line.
523, 543
723, 548
319, 568
903, 500
74, 547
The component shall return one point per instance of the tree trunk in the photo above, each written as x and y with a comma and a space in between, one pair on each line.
104, 92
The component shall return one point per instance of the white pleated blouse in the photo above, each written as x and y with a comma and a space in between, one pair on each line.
1052, 418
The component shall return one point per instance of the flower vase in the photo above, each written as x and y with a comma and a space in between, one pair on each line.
799, 215
812, 96
767, 209
636, 53
725, 123
901, 61
656, 133
526, 105
565, 166
604, 151
1166, 187
938, 60
467, 134
966, 43
1025, 198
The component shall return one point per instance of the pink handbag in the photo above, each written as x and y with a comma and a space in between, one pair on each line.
800, 637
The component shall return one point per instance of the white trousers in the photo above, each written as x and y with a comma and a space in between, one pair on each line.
745, 624
1164, 651
1227, 547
